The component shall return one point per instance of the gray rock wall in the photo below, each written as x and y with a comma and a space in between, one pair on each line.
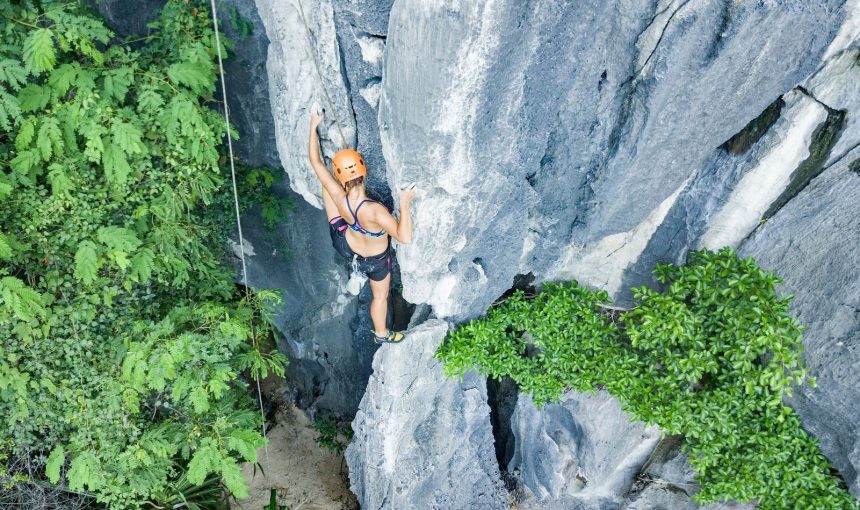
589, 141
329, 53
553, 137
305, 67
362, 27
328, 369
423, 440
812, 243
582, 451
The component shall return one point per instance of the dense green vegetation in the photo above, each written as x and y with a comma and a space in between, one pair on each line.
709, 358
123, 338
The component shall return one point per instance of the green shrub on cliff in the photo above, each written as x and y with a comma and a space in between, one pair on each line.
122, 335
709, 358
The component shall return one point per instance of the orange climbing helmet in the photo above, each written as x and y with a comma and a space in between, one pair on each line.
348, 165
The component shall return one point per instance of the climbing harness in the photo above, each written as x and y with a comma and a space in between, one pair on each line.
236, 203
319, 73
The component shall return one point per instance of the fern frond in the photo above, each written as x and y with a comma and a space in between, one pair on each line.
39, 53
197, 76
55, 462
25, 161
206, 459
24, 302
127, 136
94, 146
118, 238
86, 262
10, 110
34, 97
246, 442
117, 82
25, 134
85, 472
115, 165
142, 265
12, 73
199, 398
5, 249
50, 140
63, 77
149, 101
60, 182
5, 186
233, 478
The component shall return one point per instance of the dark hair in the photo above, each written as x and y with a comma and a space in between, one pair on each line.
349, 185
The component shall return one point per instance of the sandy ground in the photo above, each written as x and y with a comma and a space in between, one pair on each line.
305, 475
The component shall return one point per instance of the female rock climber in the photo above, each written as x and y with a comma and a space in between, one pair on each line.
361, 228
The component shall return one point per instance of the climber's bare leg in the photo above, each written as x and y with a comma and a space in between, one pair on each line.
379, 304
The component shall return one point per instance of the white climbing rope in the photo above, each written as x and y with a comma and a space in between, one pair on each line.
313, 56
236, 203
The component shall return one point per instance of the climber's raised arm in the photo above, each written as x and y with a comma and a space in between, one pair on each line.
326, 178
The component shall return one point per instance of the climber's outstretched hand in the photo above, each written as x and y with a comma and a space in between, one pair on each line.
317, 115
407, 194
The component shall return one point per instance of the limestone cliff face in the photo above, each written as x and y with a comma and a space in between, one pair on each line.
562, 140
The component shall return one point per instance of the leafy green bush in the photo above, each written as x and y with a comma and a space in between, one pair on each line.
709, 358
122, 334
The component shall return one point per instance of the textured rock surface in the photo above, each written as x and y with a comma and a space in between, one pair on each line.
735, 186
596, 158
423, 440
581, 451
532, 160
304, 69
812, 243
248, 84
126, 18
666, 483
362, 26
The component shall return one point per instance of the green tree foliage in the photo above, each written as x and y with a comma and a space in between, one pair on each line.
709, 358
122, 335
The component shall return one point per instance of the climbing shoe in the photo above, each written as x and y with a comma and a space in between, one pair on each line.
393, 337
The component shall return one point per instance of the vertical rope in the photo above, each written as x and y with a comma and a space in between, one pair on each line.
236, 202
313, 56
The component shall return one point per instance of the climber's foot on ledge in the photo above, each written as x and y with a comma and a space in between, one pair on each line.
392, 337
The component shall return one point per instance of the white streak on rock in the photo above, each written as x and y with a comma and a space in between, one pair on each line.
759, 187
837, 85
459, 110
849, 32
602, 264
371, 94
372, 49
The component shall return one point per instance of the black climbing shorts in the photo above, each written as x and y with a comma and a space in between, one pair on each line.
376, 267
